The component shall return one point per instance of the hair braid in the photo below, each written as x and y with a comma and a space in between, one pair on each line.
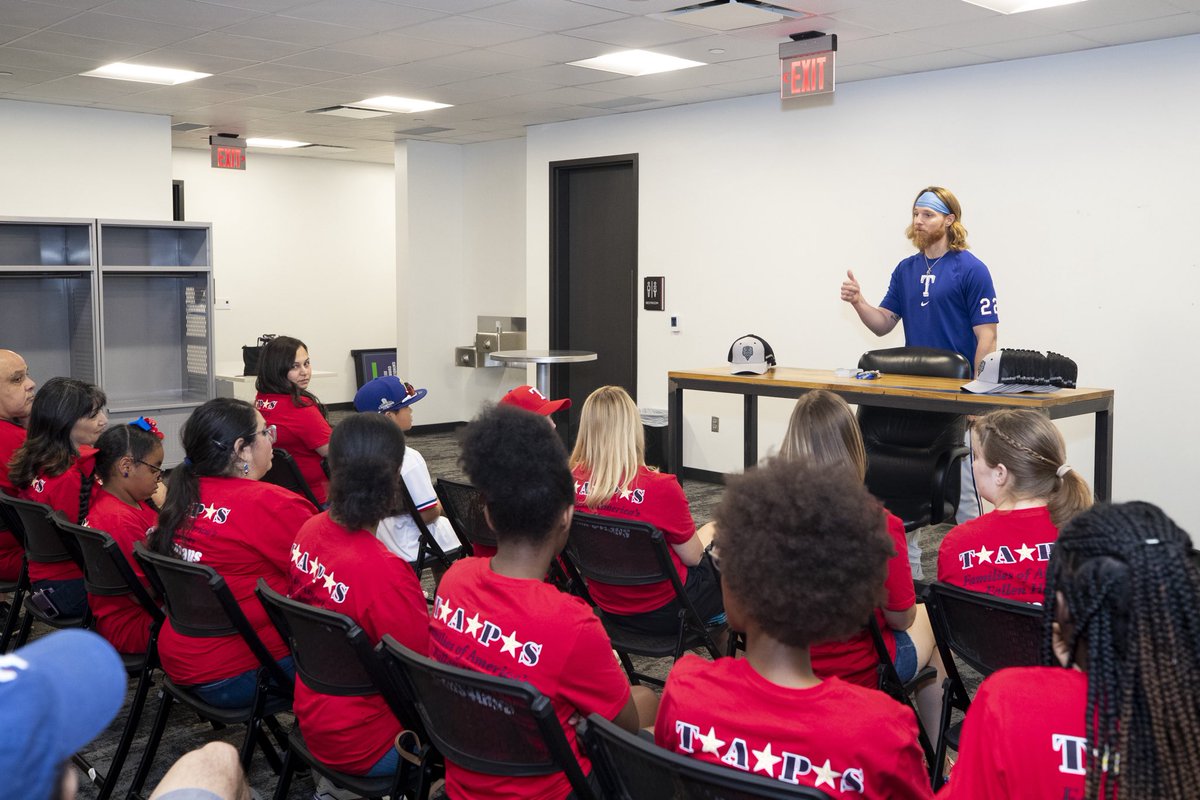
85, 495
1132, 590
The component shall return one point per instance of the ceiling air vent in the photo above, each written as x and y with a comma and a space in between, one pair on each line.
425, 131
350, 111
731, 15
187, 127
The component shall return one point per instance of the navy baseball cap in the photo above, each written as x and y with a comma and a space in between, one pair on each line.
386, 393
56, 695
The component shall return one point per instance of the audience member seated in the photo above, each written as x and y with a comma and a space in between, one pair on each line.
394, 399
129, 467
16, 401
499, 616
769, 714
54, 467
300, 420
219, 514
1120, 716
612, 479
1020, 468
531, 399
338, 564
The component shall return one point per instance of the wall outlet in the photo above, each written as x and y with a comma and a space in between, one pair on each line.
674, 324
716, 424
223, 304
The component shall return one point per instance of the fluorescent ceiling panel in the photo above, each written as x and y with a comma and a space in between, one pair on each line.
280, 144
349, 111
400, 105
637, 63
1017, 6
141, 73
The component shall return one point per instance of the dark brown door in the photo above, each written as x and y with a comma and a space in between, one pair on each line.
593, 276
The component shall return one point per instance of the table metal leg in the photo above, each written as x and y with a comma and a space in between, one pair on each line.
543, 379
674, 427
750, 427
1102, 477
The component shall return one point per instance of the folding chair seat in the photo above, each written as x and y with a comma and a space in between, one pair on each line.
106, 572
334, 656
484, 723
44, 545
284, 472
631, 767
988, 633
625, 553
199, 603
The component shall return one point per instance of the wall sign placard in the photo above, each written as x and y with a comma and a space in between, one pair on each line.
652, 293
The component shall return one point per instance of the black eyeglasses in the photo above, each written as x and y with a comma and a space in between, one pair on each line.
158, 471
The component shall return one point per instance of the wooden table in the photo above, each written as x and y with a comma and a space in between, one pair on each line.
889, 391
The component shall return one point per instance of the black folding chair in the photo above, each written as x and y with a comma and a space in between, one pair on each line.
484, 723
630, 767
428, 545
902, 691
18, 588
43, 545
333, 655
199, 603
988, 633
107, 573
625, 553
462, 504
285, 473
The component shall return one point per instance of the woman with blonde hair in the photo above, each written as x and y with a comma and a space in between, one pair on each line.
612, 479
1021, 468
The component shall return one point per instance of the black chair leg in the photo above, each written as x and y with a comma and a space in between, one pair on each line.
285, 777
268, 749
10, 619
26, 628
156, 733
627, 664
109, 783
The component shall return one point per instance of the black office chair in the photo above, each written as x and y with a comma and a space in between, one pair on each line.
44, 545
632, 768
625, 553
988, 633
106, 572
16, 589
199, 603
463, 506
913, 457
333, 655
284, 472
899, 690
483, 723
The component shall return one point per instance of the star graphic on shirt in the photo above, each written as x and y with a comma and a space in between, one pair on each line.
209, 510
710, 743
445, 612
295, 554
1026, 552
510, 644
329, 581
626, 494
984, 555
473, 624
314, 566
825, 774
765, 760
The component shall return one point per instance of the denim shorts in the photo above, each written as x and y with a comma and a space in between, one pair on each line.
906, 656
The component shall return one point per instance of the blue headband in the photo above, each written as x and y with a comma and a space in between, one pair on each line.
931, 200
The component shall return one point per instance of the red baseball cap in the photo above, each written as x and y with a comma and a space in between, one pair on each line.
531, 399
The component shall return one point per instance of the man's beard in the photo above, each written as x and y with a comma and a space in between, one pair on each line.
923, 240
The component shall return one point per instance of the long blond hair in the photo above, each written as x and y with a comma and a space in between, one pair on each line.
956, 234
611, 445
823, 431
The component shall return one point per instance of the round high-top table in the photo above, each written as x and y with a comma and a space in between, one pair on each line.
543, 359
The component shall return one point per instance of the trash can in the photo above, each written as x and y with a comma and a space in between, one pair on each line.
654, 426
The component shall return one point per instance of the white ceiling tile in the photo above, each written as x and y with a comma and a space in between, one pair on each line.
62, 65
489, 86
360, 87
487, 62
260, 6
284, 104
945, 59
338, 61
244, 86
862, 72
23, 77
449, 6
32, 15
281, 73
543, 16
846, 31
77, 5
883, 47
735, 48
367, 14
80, 88
562, 75
906, 16
220, 43
469, 32
636, 7
397, 48
554, 48
1186, 5
1036, 46
312, 96
422, 73
1000, 28
100, 51
172, 56
10, 32
638, 33
124, 29
294, 31
187, 13
1144, 30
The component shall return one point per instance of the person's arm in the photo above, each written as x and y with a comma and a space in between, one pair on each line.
879, 321
985, 342
900, 620
627, 717
430, 515
690, 552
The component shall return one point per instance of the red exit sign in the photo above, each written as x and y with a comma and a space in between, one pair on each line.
807, 65
228, 152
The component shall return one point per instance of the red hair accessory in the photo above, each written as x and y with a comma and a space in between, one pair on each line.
147, 424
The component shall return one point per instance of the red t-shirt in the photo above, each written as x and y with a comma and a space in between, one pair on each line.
855, 660
300, 431
1024, 736
62, 494
652, 497
352, 573
1002, 553
244, 530
119, 618
12, 436
528, 631
845, 740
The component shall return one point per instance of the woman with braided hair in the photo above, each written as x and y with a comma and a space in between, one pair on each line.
1020, 468
1122, 720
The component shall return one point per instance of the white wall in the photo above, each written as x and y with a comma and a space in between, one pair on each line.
63, 161
302, 247
460, 253
1078, 178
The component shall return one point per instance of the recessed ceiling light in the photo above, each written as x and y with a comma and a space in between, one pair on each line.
636, 63
141, 73
281, 144
399, 105
716, 51
1017, 6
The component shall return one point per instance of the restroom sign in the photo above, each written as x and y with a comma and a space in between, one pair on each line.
652, 293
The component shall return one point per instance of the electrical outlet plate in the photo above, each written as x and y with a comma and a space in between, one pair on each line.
716, 424
223, 304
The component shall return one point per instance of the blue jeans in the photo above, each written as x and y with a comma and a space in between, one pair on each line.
386, 765
238, 691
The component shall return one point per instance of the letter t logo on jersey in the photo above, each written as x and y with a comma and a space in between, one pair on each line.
927, 280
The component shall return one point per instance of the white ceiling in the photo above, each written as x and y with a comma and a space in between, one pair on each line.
501, 63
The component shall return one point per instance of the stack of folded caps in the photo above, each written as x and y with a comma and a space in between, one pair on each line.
1010, 371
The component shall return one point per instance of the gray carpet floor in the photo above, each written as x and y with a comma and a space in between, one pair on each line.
186, 731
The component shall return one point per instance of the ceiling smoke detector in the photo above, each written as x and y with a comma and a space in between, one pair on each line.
731, 15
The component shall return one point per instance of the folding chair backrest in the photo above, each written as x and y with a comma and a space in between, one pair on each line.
987, 632
106, 571
43, 544
463, 506
618, 552
328, 647
284, 472
629, 766
484, 723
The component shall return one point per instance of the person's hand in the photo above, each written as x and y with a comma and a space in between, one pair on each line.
851, 292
